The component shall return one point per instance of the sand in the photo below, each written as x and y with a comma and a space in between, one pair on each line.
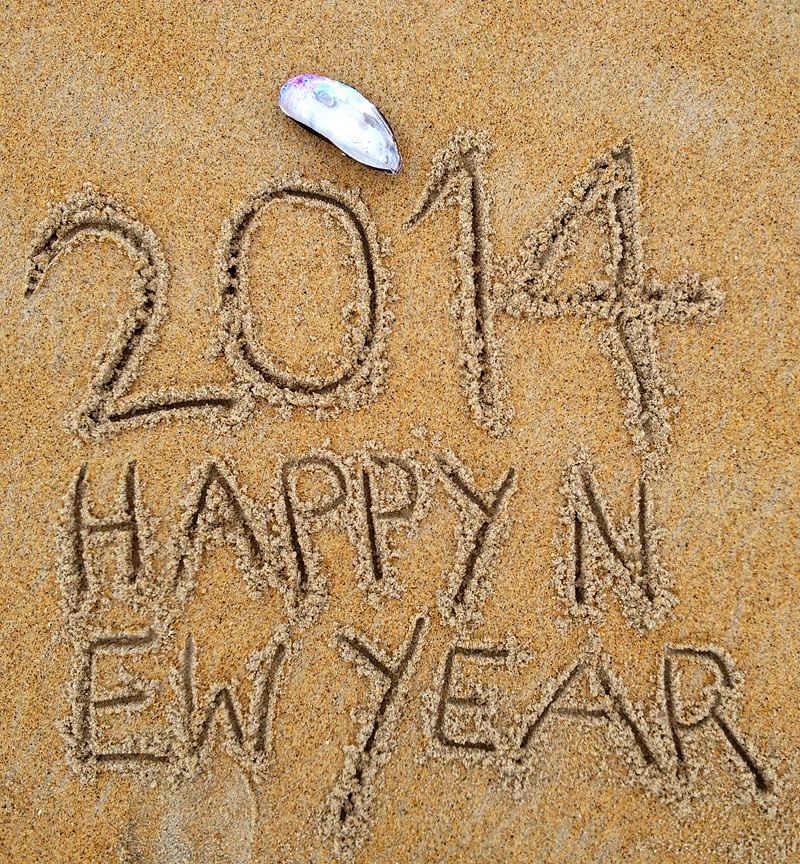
450, 516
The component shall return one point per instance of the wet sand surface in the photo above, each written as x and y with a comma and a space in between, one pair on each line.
450, 516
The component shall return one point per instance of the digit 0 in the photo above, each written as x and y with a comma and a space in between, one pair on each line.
249, 361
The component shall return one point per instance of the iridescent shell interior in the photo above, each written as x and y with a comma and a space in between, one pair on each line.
344, 117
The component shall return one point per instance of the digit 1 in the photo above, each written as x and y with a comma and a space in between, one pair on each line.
457, 179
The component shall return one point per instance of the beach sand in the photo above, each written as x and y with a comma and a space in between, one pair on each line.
450, 516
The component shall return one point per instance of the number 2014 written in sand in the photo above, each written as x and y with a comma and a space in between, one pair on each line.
371, 495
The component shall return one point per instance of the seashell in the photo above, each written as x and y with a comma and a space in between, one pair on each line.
344, 117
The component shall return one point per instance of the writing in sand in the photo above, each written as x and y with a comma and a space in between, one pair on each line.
159, 720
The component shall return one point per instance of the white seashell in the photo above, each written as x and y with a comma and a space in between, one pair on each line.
343, 116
